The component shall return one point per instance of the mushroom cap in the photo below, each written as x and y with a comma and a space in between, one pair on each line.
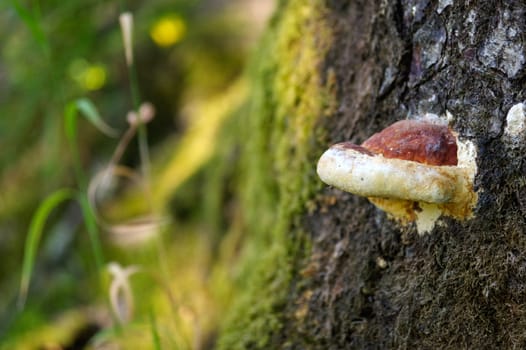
419, 141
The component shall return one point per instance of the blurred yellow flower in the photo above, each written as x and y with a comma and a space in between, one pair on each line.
168, 30
88, 76
94, 77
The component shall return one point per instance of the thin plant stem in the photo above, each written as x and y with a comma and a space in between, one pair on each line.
93, 231
156, 339
145, 158
142, 133
134, 86
79, 173
123, 144
89, 218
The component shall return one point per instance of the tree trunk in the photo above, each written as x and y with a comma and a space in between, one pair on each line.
325, 269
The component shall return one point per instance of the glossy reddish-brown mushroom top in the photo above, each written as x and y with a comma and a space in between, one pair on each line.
415, 140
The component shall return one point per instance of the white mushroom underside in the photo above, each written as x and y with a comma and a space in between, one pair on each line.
376, 176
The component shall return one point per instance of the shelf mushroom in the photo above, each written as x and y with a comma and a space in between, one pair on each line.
414, 170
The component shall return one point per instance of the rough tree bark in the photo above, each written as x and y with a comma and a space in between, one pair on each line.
354, 277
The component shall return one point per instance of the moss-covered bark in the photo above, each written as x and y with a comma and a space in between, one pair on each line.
325, 269
279, 139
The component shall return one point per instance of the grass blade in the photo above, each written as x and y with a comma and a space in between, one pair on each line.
156, 339
34, 234
90, 112
70, 125
88, 109
93, 230
32, 23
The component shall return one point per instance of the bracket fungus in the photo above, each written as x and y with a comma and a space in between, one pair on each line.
414, 170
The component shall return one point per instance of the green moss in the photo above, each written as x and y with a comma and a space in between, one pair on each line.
280, 142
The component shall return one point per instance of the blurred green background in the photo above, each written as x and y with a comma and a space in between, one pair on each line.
189, 62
